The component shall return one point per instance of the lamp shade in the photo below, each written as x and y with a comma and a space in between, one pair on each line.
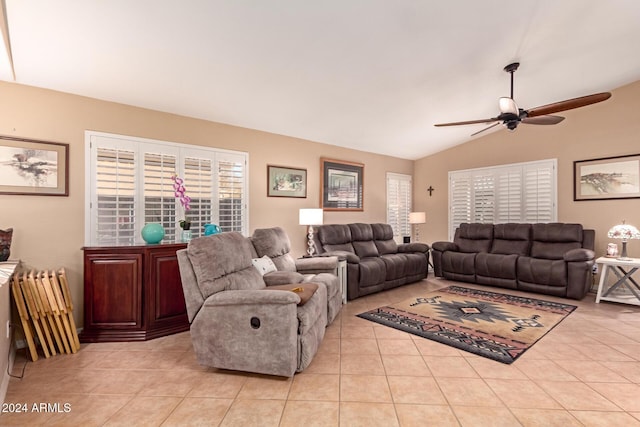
624, 231
310, 217
417, 217
508, 105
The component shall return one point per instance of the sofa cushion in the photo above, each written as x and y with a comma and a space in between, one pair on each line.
264, 265
511, 239
386, 247
365, 249
383, 238
473, 238
395, 265
553, 240
496, 265
223, 262
545, 272
372, 271
333, 234
458, 262
345, 247
275, 244
360, 232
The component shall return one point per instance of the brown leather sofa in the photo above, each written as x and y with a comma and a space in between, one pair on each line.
375, 262
554, 259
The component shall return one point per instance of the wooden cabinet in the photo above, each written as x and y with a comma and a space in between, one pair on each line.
132, 293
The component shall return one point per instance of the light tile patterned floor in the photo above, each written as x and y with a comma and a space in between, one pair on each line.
584, 372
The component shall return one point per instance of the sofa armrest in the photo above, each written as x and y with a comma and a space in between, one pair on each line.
349, 256
413, 247
444, 246
575, 255
252, 297
282, 278
315, 265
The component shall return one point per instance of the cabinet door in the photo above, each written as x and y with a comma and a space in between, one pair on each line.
165, 297
113, 291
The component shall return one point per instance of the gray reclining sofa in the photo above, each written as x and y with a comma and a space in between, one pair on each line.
552, 258
375, 262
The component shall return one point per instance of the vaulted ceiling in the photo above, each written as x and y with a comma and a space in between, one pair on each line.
373, 75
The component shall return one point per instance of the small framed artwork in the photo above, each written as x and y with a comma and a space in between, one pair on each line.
32, 167
341, 185
607, 178
283, 181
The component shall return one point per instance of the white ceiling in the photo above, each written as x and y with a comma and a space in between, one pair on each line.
372, 75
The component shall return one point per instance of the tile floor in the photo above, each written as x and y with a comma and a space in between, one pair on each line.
584, 372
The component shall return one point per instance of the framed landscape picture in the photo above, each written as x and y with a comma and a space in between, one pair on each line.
341, 185
31, 167
284, 181
607, 178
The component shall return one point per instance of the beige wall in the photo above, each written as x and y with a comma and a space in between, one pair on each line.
611, 128
48, 231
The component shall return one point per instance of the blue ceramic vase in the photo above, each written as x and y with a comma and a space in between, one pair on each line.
210, 229
152, 233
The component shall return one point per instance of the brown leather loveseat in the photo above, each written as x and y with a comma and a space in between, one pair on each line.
375, 262
554, 258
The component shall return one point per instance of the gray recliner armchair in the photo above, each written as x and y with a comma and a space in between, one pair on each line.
237, 322
274, 243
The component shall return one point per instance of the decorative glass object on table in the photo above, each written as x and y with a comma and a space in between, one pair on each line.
152, 233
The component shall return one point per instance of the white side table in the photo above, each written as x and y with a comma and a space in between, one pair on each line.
623, 270
342, 276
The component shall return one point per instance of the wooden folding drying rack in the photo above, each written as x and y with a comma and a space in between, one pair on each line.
44, 305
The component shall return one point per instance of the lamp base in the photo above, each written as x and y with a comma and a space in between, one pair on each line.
623, 256
311, 247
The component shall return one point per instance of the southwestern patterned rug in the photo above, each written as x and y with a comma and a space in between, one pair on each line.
490, 324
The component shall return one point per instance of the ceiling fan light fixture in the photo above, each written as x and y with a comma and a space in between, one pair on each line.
511, 125
508, 105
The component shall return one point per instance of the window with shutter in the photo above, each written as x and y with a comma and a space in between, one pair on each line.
199, 174
232, 185
520, 192
159, 200
460, 193
115, 197
129, 184
399, 191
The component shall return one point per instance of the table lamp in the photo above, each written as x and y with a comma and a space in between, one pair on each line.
310, 217
625, 232
417, 218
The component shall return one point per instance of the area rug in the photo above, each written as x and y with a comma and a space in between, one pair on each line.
490, 324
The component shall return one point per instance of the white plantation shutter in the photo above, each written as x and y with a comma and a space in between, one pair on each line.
483, 198
539, 188
232, 192
520, 192
159, 199
198, 177
460, 193
129, 185
509, 195
399, 190
115, 196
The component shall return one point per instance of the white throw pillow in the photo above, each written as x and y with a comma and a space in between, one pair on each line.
264, 265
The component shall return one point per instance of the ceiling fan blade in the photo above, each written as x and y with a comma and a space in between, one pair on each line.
568, 104
543, 120
487, 128
469, 122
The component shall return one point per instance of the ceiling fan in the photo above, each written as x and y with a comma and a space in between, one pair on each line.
511, 116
